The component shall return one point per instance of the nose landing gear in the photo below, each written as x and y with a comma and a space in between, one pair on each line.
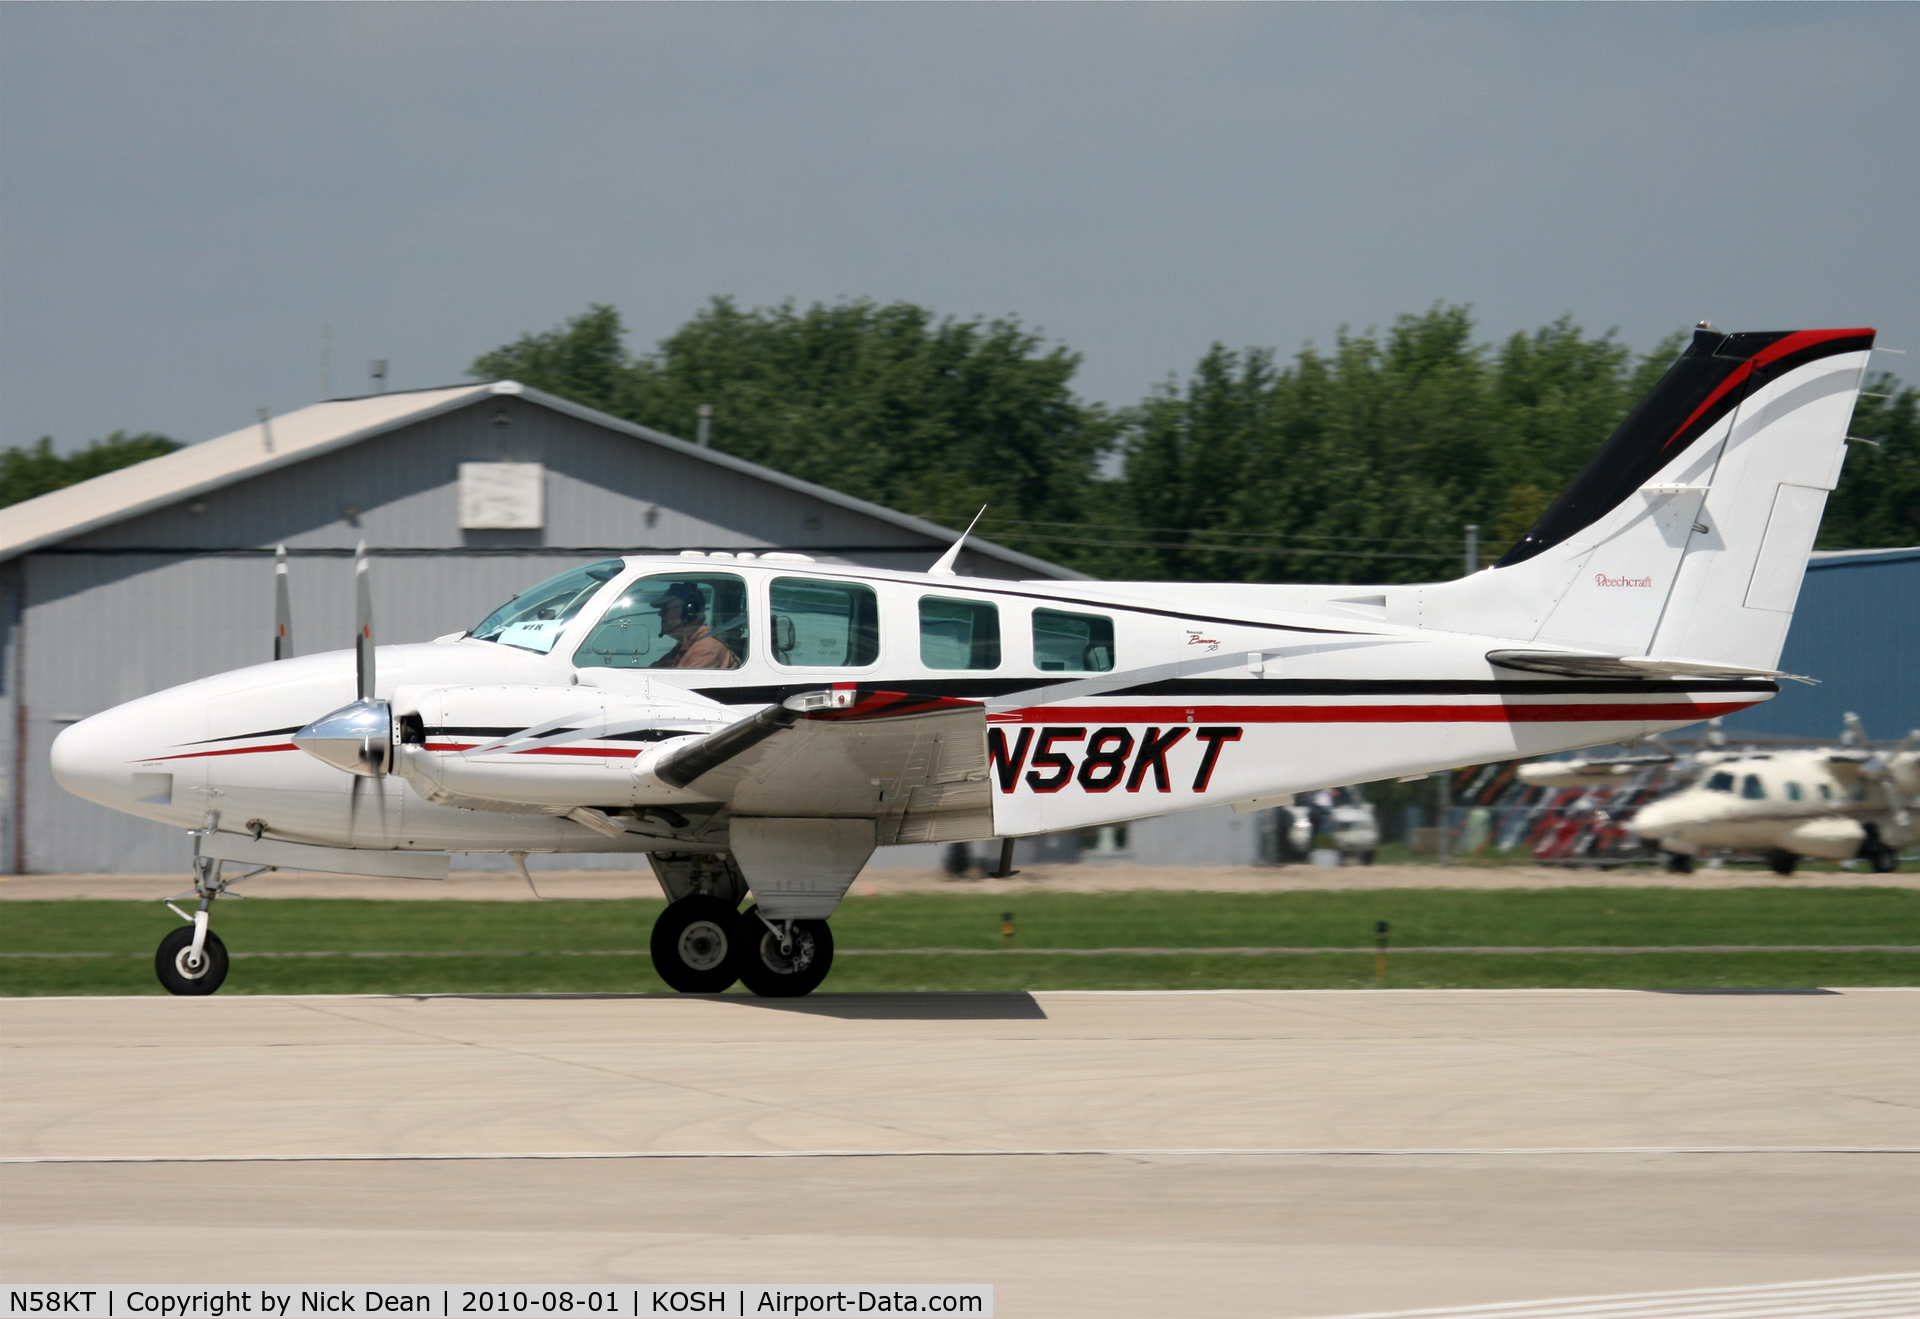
185, 970
193, 961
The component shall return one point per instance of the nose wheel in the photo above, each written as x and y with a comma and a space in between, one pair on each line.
692, 944
781, 959
182, 970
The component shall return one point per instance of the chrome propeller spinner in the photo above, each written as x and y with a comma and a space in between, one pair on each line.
357, 738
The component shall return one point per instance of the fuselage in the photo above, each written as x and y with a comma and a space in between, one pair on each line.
1105, 702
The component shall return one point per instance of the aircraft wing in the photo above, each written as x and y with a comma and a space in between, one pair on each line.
916, 765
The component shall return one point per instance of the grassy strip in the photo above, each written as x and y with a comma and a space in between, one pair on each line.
1456, 917
1443, 917
633, 975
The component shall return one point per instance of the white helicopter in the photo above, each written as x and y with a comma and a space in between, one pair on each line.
757, 726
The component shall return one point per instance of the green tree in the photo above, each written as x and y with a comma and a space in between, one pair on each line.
1364, 463
887, 402
1877, 503
27, 472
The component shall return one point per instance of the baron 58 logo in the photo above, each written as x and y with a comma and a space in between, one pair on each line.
1100, 761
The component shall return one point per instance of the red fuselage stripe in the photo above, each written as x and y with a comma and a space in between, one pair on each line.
226, 751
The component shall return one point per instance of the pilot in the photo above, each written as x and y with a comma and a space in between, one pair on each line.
683, 611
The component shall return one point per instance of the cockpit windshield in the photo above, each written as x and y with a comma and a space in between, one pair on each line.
534, 619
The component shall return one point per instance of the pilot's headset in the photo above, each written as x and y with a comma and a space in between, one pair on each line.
692, 602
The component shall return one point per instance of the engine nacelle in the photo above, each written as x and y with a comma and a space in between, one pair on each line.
542, 747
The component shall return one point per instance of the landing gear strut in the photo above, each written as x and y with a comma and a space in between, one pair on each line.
781, 959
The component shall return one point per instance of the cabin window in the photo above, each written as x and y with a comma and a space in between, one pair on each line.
534, 619
824, 625
1753, 789
1072, 643
1826, 793
959, 634
1793, 792
671, 621
1721, 782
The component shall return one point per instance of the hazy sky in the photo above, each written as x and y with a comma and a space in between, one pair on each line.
189, 192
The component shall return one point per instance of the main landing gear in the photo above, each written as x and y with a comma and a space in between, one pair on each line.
193, 961
701, 945
693, 942
781, 959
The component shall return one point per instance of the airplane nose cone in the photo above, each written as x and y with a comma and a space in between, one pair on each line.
1652, 820
91, 759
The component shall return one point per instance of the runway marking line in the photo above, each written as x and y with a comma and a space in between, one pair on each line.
1056, 1153
1890, 1294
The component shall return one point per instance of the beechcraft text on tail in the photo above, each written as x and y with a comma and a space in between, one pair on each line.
757, 726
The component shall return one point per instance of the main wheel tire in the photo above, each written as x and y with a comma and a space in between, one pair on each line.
1679, 863
170, 963
1782, 861
1882, 858
692, 944
770, 973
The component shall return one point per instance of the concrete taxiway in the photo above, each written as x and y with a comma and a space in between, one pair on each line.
1242, 1153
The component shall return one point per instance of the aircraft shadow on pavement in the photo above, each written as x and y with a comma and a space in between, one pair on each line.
904, 1007
960, 1006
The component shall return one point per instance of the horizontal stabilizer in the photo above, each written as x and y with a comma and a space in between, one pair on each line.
1575, 665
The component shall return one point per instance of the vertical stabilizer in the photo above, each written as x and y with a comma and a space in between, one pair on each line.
1687, 534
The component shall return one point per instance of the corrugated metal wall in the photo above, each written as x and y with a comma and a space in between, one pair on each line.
187, 591
1856, 629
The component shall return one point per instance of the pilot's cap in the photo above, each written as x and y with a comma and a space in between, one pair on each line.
684, 594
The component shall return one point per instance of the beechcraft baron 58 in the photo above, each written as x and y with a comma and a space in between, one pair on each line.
757, 726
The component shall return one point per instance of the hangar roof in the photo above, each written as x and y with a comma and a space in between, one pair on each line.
1847, 558
323, 427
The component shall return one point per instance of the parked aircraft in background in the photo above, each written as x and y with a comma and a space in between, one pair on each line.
1343, 816
757, 726
1837, 803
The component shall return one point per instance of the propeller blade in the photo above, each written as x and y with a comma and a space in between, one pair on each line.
363, 636
353, 814
282, 608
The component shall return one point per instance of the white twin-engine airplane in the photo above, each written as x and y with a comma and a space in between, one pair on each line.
757, 726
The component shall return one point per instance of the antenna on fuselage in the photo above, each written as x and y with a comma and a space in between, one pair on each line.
944, 567
282, 607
